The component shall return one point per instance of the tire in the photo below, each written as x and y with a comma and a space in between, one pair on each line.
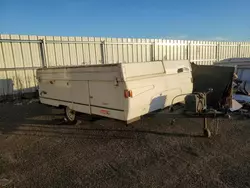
70, 115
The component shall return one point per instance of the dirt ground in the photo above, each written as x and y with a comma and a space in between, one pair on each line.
38, 150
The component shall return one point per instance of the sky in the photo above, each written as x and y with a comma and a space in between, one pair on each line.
169, 19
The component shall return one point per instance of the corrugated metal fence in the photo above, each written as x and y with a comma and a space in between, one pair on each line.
21, 55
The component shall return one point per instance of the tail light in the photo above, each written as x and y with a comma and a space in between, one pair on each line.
128, 93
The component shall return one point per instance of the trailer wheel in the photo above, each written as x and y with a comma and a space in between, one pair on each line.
70, 115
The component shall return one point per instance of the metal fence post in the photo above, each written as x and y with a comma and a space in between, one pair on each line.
188, 51
153, 51
238, 50
43, 52
217, 52
102, 45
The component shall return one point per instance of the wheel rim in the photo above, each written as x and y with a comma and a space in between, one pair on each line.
70, 114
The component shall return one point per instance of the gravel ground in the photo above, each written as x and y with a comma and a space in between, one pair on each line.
38, 150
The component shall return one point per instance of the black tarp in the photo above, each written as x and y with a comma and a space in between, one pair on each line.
218, 78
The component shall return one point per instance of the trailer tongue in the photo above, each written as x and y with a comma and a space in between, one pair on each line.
211, 96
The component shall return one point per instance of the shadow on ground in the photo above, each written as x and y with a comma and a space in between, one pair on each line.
46, 121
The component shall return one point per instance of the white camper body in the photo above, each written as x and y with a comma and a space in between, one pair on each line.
120, 91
